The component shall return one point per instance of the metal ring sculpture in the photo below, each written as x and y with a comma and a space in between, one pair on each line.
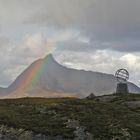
122, 75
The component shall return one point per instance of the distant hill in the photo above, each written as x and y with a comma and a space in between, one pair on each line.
47, 78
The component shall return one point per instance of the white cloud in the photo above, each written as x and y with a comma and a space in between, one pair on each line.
14, 59
130, 59
102, 61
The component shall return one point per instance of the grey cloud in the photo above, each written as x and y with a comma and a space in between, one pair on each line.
103, 21
90, 13
77, 46
4, 41
131, 45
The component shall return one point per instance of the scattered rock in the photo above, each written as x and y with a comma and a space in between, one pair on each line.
91, 96
27, 135
106, 98
132, 104
42, 110
72, 124
80, 131
51, 112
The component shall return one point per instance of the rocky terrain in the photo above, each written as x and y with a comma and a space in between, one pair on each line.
110, 117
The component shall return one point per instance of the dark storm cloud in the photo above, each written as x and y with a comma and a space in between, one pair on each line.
111, 21
114, 21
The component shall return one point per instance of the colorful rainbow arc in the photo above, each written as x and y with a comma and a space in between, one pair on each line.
34, 75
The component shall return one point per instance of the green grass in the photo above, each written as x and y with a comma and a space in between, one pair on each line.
104, 120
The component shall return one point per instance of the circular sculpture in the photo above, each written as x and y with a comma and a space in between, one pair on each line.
122, 75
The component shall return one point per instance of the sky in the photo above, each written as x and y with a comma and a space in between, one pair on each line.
95, 35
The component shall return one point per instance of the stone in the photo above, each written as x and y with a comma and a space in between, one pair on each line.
91, 96
122, 88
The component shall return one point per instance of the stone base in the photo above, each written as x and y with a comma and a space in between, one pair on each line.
122, 88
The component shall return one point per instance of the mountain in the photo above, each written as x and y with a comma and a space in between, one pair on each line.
47, 78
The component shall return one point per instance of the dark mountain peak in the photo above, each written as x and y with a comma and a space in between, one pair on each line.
50, 56
50, 61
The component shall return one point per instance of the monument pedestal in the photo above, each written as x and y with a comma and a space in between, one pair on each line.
122, 88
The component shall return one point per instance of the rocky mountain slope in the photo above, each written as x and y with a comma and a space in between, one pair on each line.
47, 78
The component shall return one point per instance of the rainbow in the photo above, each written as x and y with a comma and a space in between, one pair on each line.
33, 75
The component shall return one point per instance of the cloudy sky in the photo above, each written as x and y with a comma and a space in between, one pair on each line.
96, 35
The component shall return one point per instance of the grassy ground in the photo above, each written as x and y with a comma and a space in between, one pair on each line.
103, 119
